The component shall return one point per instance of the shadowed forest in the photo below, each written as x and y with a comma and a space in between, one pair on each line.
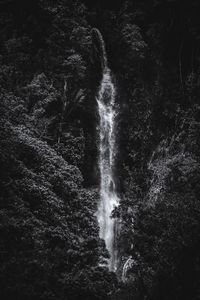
50, 71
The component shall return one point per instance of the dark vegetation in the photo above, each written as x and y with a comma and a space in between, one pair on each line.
49, 74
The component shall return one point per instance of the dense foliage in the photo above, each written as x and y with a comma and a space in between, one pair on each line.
49, 74
49, 244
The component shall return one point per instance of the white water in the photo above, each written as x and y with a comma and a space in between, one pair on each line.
107, 152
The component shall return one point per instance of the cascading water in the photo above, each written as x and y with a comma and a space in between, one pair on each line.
107, 152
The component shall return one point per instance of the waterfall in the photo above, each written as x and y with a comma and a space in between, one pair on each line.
107, 153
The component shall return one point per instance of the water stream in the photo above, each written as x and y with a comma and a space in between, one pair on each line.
106, 100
